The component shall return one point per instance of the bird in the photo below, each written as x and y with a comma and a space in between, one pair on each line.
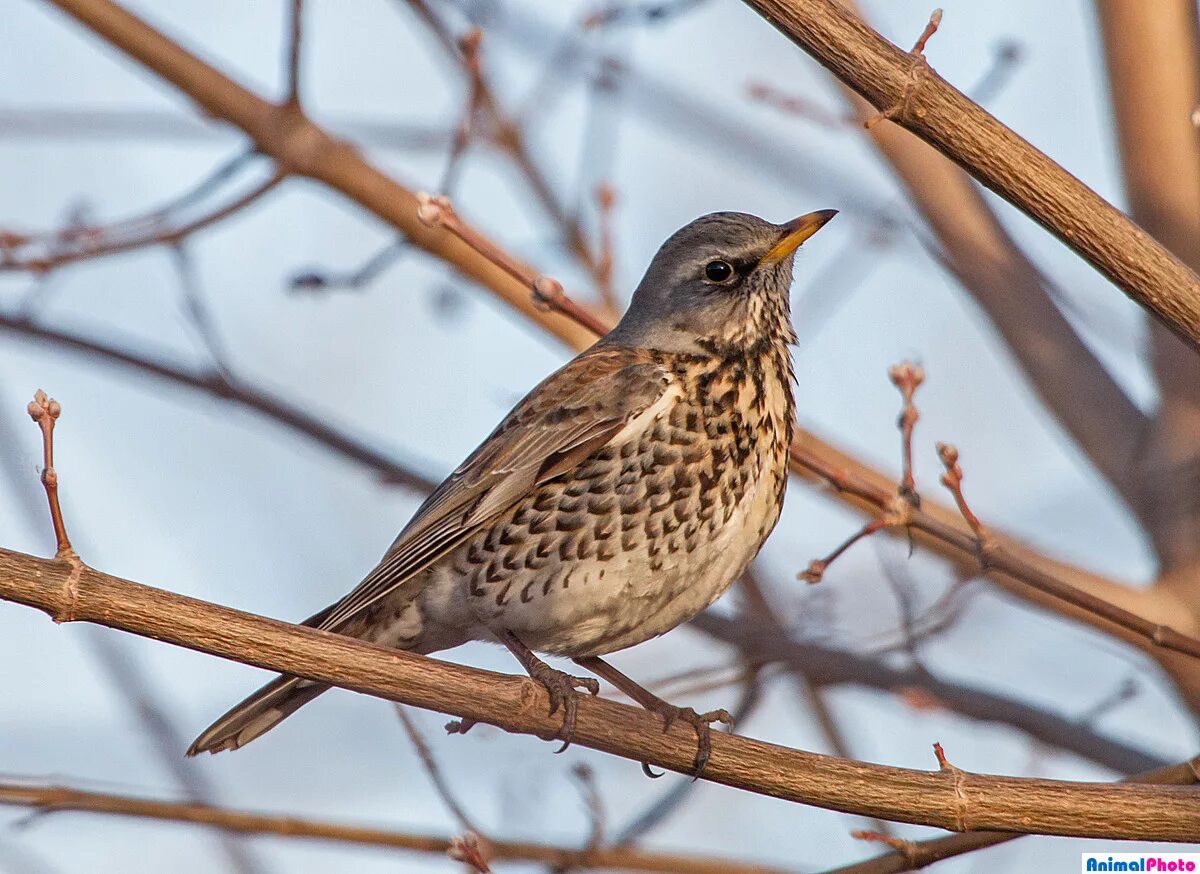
618, 499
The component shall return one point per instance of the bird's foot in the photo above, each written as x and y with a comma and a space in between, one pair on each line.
563, 690
700, 722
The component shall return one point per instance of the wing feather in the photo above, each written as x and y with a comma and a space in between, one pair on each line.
565, 420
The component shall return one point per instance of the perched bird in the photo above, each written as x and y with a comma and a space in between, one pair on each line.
620, 498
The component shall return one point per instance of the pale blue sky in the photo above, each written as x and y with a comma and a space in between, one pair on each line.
180, 491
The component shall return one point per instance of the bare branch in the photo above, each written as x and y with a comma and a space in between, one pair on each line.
904, 87
960, 801
51, 799
545, 291
1160, 163
915, 855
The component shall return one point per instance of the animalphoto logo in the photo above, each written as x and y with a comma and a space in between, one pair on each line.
1155, 862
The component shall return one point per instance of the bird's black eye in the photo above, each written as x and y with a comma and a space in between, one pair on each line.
718, 271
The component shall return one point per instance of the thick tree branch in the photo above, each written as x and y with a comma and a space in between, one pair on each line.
903, 87
56, 799
949, 798
915, 855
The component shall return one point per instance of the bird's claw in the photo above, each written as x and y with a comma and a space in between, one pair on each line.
700, 722
563, 690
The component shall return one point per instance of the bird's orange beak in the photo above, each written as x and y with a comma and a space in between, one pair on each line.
796, 232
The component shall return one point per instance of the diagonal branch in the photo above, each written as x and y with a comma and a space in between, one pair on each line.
948, 798
906, 90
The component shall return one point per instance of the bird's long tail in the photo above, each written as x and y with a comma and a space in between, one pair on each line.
257, 715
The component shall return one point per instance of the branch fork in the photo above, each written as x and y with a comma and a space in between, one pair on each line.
917, 76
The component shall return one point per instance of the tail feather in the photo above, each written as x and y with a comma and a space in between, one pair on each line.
257, 715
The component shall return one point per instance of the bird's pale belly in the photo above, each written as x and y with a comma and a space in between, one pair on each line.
633, 601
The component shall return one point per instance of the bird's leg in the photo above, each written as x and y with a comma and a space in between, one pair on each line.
561, 687
669, 712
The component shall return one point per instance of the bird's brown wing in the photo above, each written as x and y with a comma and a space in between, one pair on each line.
562, 422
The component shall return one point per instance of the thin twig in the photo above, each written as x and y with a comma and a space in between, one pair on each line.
815, 571
606, 200
312, 281
198, 312
45, 412
437, 211
271, 408
508, 136
98, 244
797, 105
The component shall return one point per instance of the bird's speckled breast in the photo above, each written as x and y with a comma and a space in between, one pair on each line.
649, 530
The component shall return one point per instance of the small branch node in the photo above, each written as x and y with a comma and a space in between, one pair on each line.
547, 292
468, 850
960, 796
434, 210
469, 44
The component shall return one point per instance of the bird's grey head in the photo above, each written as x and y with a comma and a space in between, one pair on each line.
720, 283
